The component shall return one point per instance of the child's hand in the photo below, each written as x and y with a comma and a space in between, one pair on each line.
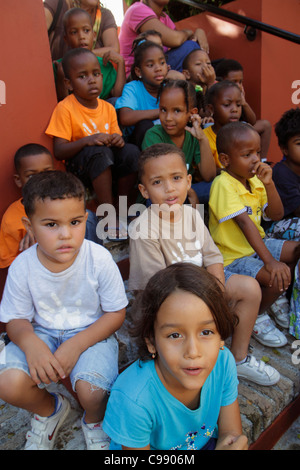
117, 141
43, 366
264, 172
207, 75
233, 443
196, 130
279, 271
98, 139
27, 241
112, 56
200, 36
67, 354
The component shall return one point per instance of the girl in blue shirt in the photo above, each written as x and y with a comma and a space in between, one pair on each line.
182, 393
138, 106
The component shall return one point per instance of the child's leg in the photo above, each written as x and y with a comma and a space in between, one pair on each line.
18, 389
93, 400
264, 128
245, 297
102, 185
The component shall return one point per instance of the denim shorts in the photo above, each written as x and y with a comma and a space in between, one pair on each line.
97, 365
251, 265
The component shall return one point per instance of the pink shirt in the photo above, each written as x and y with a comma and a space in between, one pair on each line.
134, 18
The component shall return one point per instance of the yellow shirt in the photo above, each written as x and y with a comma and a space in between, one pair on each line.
212, 137
229, 198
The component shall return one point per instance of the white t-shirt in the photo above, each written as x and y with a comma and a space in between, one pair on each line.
73, 298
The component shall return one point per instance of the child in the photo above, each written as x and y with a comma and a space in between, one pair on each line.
183, 320
63, 300
86, 132
224, 104
229, 69
79, 32
28, 160
138, 105
198, 70
239, 197
170, 231
177, 110
286, 176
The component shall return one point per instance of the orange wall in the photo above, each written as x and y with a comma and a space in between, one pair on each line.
27, 91
270, 64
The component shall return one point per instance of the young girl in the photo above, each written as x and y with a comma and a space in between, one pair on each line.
138, 106
182, 393
181, 125
224, 104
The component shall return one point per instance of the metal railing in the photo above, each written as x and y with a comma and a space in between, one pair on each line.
253, 25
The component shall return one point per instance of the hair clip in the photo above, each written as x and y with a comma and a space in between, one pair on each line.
141, 42
198, 88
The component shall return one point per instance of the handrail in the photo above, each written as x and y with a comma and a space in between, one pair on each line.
245, 20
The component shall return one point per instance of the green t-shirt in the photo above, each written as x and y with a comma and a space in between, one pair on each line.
191, 148
109, 77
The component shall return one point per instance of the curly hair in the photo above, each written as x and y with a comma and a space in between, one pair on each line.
288, 126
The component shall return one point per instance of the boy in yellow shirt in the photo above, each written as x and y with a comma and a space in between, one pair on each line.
239, 197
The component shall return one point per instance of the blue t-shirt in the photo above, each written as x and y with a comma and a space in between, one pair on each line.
136, 97
140, 409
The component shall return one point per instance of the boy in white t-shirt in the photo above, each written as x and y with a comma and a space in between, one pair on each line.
63, 300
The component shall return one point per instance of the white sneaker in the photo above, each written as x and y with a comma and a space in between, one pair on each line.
95, 437
44, 430
266, 333
257, 372
280, 311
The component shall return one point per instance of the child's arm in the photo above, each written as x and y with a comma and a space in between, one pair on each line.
130, 117
275, 210
207, 166
113, 56
43, 366
217, 270
231, 435
276, 269
249, 114
64, 149
68, 352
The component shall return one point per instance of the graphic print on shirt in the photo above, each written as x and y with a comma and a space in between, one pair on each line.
197, 259
192, 437
59, 317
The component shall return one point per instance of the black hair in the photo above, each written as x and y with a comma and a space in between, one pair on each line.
187, 88
143, 37
186, 60
187, 277
229, 133
29, 150
53, 184
288, 126
139, 54
214, 91
156, 151
70, 55
225, 66
73, 12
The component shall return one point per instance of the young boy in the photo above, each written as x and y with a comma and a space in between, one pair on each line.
28, 160
79, 32
239, 197
86, 132
63, 300
232, 70
170, 231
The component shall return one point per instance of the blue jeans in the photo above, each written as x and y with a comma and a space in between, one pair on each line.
97, 365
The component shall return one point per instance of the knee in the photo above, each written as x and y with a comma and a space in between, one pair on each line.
244, 289
89, 395
12, 384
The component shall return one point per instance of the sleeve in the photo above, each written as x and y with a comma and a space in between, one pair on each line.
111, 288
107, 20
60, 123
211, 253
288, 187
10, 238
152, 136
224, 200
114, 125
128, 99
230, 386
139, 15
17, 302
126, 422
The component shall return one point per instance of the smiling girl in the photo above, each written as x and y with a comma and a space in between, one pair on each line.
182, 393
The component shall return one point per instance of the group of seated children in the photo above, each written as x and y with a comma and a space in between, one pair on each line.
195, 285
